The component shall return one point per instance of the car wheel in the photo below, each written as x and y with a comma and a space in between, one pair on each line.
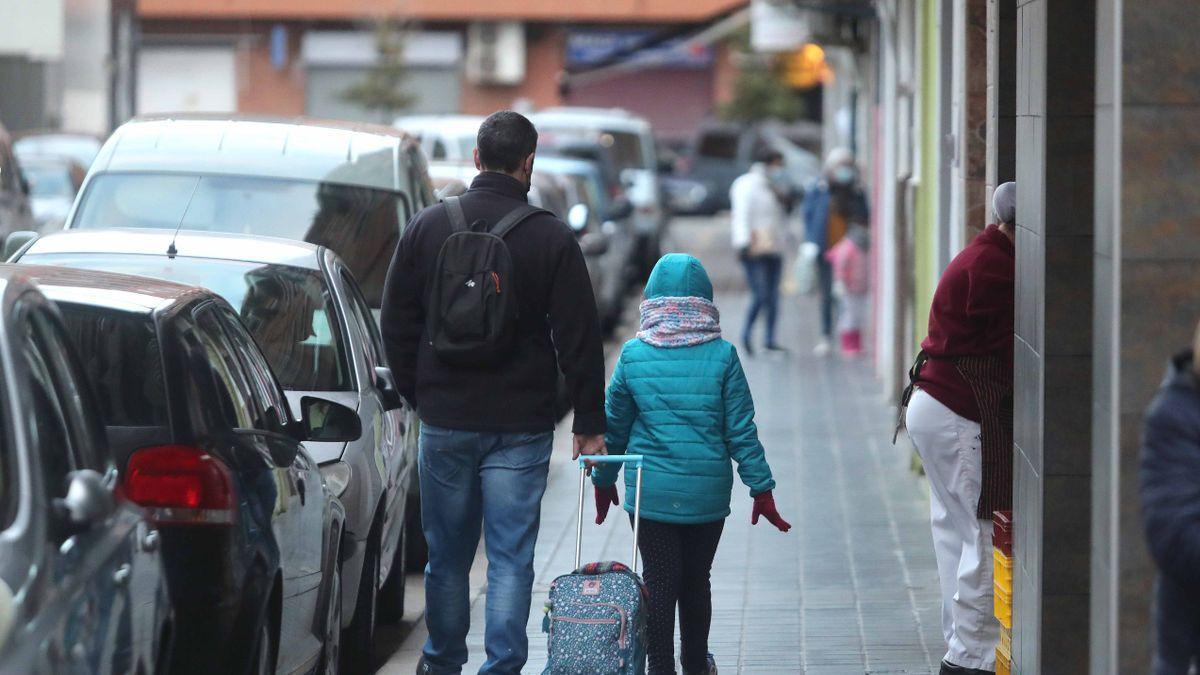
332, 650
263, 649
391, 596
417, 553
359, 639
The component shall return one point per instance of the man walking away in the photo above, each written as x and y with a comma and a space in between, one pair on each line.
831, 206
487, 423
960, 418
759, 227
1171, 509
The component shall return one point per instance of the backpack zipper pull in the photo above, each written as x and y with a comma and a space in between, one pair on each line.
496, 280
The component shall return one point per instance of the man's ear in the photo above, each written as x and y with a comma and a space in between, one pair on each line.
529, 164
478, 164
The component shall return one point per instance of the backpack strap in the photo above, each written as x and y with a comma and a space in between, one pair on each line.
454, 209
514, 218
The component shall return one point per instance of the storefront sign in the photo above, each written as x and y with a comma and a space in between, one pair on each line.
595, 47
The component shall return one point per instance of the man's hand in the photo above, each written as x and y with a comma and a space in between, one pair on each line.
589, 445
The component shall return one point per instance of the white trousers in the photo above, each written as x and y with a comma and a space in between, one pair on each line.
949, 446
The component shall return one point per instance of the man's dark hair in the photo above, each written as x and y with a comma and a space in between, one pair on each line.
769, 156
505, 139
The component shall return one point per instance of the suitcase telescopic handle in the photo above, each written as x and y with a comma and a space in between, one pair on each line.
636, 461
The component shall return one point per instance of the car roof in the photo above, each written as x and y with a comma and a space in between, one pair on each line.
607, 119
454, 125
557, 164
312, 149
118, 292
188, 244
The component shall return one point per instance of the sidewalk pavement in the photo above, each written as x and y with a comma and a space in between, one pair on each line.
851, 589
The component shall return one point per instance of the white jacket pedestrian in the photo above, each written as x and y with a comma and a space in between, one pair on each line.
758, 219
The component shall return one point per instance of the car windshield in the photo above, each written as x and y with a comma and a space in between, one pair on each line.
362, 224
627, 150
122, 364
625, 147
48, 180
289, 310
718, 145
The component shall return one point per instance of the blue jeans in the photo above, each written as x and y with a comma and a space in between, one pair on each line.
828, 302
762, 272
472, 480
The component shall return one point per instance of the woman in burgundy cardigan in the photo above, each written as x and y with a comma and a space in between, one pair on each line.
960, 419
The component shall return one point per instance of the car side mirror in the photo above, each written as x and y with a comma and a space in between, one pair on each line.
577, 217
385, 382
620, 209
325, 421
594, 244
16, 241
88, 502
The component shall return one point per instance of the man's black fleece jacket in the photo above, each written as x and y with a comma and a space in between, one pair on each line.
557, 325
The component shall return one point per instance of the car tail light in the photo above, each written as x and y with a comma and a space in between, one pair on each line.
181, 485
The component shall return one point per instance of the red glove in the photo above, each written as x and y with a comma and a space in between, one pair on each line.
764, 505
605, 497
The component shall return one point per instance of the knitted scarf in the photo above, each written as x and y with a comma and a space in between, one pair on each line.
679, 322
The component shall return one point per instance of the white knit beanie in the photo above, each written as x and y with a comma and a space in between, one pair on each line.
1004, 203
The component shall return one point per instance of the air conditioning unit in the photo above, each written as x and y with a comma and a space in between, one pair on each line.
496, 52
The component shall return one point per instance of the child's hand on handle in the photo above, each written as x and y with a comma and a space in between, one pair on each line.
764, 505
605, 497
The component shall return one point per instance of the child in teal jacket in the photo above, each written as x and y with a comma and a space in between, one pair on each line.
679, 397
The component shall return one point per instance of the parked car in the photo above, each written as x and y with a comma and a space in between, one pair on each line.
631, 140
16, 211
444, 138
350, 187
604, 232
81, 580
308, 316
206, 443
53, 182
722, 152
79, 146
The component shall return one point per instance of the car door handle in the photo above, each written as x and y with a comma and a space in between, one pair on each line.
150, 541
121, 576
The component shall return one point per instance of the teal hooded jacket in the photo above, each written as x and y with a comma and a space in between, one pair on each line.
688, 410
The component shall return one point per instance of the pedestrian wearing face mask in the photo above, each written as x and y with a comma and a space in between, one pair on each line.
830, 207
759, 228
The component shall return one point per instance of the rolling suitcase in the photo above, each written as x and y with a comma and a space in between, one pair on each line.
596, 616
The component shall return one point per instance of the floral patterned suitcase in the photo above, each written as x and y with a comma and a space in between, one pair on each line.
596, 616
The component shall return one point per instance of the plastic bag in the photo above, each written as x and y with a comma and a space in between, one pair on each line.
806, 268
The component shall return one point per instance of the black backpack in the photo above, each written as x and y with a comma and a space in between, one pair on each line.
472, 315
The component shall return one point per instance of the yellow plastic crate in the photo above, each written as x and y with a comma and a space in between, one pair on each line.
1002, 603
1003, 663
1006, 640
1002, 583
1002, 571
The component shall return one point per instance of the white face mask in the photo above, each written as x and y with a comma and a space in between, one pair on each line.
844, 175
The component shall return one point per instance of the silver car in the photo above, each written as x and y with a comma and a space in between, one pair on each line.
304, 308
348, 186
81, 580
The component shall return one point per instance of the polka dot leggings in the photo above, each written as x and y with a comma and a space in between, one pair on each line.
677, 560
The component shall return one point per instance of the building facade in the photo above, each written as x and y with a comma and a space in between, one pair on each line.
1083, 103
469, 56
